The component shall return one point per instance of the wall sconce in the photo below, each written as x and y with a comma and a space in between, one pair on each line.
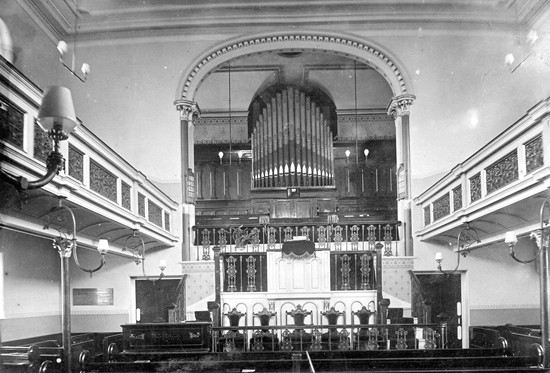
136, 246
466, 238
57, 117
220, 154
541, 237
67, 246
347, 152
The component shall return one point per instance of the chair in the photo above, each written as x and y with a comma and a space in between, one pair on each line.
334, 340
367, 338
264, 339
233, 340
299, 339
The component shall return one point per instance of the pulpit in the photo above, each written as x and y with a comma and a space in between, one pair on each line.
264, 339
232, 340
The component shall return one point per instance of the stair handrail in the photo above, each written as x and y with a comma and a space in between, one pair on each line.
426, 311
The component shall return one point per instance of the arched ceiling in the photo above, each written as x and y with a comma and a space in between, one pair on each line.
101, 19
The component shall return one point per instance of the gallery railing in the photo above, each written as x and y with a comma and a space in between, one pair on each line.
254, 237
326, 338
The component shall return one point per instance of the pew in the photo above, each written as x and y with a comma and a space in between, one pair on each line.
45, 354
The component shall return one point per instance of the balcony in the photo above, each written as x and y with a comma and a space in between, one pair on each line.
108, 196
499, 188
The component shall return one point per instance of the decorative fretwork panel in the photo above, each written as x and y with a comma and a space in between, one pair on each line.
502, 172
155, 213
534, 155
457, 198
12, 121
76, 163
167, 221
141, 205
245, 272
353, 237
126, 196
351, 271
103, 181
442, 207
427, 217
475, 187
42, 144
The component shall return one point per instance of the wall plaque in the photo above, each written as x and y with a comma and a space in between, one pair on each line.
93, 297
402, 182
190, 186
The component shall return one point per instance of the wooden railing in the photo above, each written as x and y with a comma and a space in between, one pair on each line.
420, 305
345, 337
256, 238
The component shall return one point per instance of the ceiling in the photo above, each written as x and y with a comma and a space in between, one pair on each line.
100, 19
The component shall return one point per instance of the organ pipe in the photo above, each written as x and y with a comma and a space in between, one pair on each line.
292, 143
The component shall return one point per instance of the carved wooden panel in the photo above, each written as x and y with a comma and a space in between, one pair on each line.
155, 213
76, 163
502, 172
475, 187
126, 196
11, 122
103, 181
534, 155
442, 207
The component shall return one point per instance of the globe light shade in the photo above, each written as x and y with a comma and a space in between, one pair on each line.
103, 246
510, 238
56, 113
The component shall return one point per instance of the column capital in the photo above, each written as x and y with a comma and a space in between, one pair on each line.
400, 105
188, 109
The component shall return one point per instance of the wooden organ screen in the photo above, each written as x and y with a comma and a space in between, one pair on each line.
292, 143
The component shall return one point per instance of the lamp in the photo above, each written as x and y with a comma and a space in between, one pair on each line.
136, 246
466, 238
347, 153
220, 154
540, 237
66, 245
366, 152
56, 116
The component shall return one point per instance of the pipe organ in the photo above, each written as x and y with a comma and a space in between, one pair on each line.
292, 143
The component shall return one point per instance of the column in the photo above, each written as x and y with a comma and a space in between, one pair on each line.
189, 110
399, 110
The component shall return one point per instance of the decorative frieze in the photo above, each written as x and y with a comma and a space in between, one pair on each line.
155, 213
427, 216
167, 221
141, 205
475, 187
534, 155
457, 198
315, 39
442, 207
502, 172
76, 163
103, 181
12, 122
42, 143
125, 194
